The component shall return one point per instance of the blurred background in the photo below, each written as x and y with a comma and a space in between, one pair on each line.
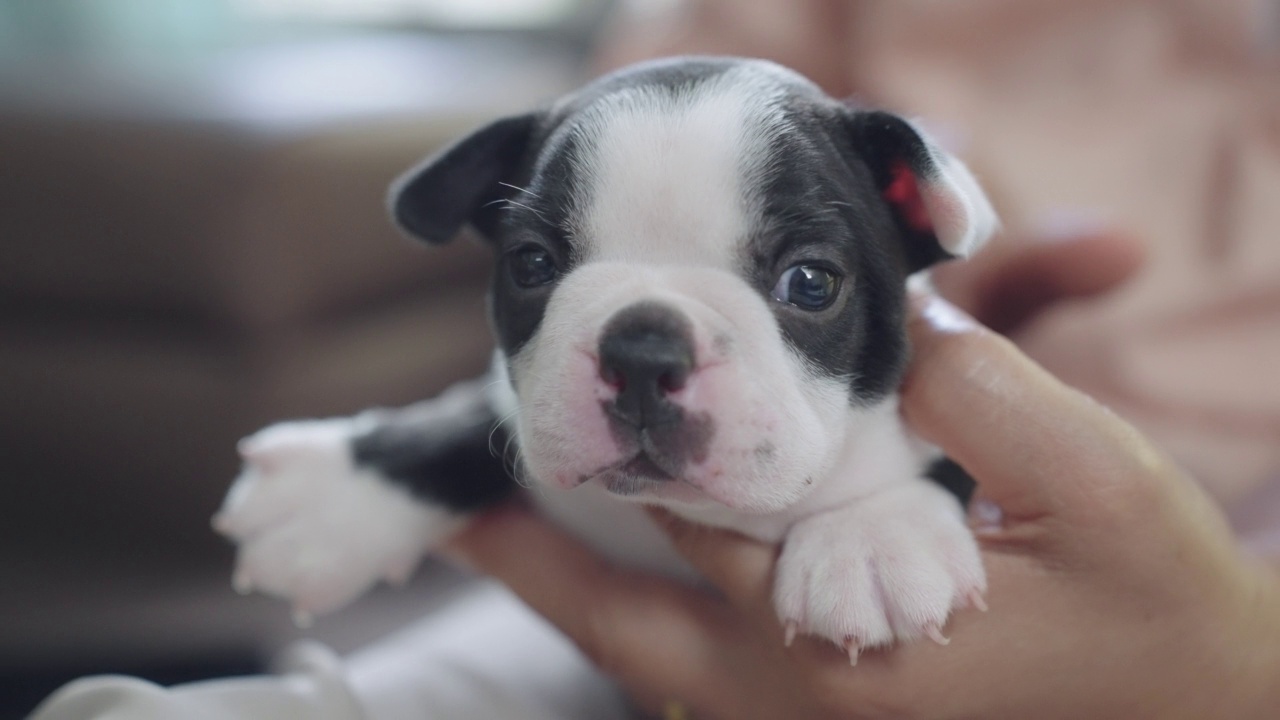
193, 244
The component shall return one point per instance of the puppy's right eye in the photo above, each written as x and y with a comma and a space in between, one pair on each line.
532, 266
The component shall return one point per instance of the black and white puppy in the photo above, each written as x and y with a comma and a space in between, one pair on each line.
699, 304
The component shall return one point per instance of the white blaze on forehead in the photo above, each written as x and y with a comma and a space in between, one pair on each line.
670, 173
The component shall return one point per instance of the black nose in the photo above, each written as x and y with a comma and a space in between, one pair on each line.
646, 353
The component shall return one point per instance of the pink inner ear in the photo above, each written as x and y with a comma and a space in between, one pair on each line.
904, 194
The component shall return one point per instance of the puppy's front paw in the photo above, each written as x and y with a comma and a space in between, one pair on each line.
890, 567
316, 529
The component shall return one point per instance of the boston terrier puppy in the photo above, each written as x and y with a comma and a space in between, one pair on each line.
699, 301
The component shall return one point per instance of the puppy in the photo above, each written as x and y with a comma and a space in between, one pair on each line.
698, 298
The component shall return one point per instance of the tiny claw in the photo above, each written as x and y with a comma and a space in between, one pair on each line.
977, 602
242, 583
302, 619
220, 523
789, 635
851, 649
935, 634
257, 457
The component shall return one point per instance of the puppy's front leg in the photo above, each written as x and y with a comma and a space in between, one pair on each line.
323, 509
888, 567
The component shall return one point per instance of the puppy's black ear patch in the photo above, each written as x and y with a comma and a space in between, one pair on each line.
451, 188
943, 212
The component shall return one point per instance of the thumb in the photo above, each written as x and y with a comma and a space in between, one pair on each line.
1013, 280
1035, 446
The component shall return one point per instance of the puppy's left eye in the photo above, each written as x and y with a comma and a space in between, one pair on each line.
808, 287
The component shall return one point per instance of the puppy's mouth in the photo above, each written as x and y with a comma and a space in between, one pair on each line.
644, 476
643, 466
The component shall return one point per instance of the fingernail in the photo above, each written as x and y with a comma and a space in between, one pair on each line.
942, 315
921, 283
985, 515
1070, 224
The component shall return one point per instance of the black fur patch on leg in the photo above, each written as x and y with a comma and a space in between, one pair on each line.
951, 476
448, 451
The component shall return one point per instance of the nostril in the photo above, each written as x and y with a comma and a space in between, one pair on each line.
673, 380
613, 378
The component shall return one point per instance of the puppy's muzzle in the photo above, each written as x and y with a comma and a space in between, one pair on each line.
646, 356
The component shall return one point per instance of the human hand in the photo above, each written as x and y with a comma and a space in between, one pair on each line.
1014, 279
1115, 587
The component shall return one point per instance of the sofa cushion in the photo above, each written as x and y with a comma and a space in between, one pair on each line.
214, 221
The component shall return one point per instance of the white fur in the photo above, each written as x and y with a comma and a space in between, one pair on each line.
315, 529
671, 177
890, 566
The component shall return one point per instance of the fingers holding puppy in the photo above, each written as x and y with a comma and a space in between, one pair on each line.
654, 635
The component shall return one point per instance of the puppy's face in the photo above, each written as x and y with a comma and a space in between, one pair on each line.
700, 273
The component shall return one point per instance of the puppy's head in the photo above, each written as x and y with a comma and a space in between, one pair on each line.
700, 272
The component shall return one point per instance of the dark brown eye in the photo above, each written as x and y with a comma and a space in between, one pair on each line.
531, 266
808, 287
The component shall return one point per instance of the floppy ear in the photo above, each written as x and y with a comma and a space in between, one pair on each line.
451, 188
934, 197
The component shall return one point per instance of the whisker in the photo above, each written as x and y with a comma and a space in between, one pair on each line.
517, 188
496, 426
516, 469
513, 205
526, 207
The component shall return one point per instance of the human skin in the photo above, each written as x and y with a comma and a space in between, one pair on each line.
1116, 587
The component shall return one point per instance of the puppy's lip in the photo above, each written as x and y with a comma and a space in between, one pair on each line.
635, 470
639, 465
643, 466
645, 490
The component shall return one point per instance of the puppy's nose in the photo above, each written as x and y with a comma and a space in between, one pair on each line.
646, 353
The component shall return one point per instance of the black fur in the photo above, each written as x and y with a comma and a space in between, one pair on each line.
459, 184
884, 139
456, 459
822, 205
948, 473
